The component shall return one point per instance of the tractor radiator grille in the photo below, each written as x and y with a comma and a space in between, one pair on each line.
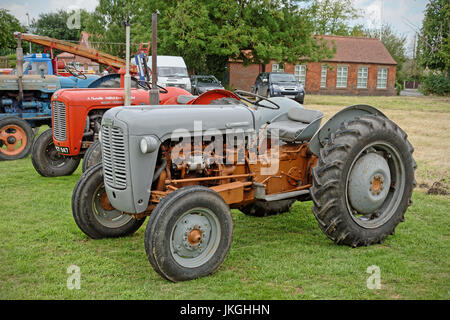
114, 158
59, 121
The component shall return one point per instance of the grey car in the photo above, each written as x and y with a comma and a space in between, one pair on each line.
202, 83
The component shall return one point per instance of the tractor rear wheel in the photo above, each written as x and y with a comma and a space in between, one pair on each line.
16, 138
363, 182
92, 156
47, 161
189, 234
94, 214
264, 208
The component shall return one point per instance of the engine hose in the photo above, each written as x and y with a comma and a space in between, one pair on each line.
160, 169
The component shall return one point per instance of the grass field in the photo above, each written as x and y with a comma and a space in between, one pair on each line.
281, 257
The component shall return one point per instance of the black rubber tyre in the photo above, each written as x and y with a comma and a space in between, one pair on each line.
264, 208
47, 161
336, 217
94, 220
16, 138
164, 221
92, 156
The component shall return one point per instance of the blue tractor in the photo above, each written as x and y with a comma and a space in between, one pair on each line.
25, 100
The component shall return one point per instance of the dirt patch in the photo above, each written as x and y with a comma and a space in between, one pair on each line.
439, 187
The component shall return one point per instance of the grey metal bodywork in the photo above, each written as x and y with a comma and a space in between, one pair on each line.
30, 83
160, 122
319, 139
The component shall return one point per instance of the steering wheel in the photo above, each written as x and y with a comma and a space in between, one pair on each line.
147, 86
76, 73
242, 94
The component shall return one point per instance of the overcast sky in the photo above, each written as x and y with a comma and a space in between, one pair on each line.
401, 14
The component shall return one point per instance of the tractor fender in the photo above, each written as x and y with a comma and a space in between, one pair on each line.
331, 125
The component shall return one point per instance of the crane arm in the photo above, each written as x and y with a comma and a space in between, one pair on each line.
76, 49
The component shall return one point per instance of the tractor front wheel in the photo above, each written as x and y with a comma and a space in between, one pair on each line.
16, 138
92, 156
94, 214
364, 181
46, 159
189, 234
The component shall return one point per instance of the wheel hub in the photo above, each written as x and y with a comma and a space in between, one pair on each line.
369, 183
11, 140
11, 136
195, 237
191, 236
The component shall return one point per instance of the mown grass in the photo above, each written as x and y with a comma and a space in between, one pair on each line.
280, 257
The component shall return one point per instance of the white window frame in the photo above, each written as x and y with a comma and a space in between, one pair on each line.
342, 77
323, 77
276, 68
300, 73
363, 75
382, 78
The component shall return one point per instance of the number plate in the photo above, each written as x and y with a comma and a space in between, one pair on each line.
64, 150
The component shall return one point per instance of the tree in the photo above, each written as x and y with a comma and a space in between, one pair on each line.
333, 17
434, 42
55, 25
106, 23
395, 45
8, 25
207, 33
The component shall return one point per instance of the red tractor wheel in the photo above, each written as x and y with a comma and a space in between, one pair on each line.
16, 138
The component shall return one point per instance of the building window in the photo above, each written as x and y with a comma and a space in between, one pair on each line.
362, 77
382, 78
276, 67
323, 77
300, 73
341, 81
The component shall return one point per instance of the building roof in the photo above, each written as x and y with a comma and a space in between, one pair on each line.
359, 50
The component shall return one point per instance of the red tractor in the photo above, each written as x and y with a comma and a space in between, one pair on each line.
76, 118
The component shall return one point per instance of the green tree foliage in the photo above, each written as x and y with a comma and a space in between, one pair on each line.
334, 17
209, 32
395, 45
107, 28
54, 25
434, 42
8, 25
435, 83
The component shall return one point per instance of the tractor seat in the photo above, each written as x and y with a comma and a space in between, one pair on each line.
297, 125
183, 99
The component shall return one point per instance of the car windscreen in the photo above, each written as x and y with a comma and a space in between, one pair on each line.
207, 80
282, 77
172, 72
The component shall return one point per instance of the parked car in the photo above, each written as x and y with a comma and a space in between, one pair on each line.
202, 83
274, 84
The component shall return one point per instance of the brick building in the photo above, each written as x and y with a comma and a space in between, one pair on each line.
361, 66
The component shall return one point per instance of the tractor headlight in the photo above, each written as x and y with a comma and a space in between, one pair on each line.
148, 145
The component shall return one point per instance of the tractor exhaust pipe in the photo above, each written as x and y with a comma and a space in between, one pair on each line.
154, 91
127, 85
19, 65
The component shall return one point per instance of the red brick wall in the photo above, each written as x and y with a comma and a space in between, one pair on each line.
244, 77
